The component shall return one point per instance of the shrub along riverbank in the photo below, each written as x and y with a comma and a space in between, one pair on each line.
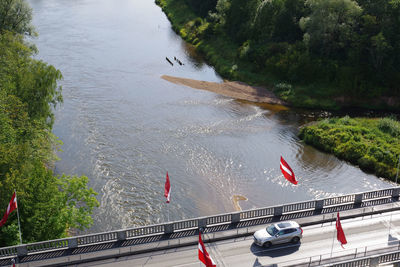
48, 205
312, 53
372, 144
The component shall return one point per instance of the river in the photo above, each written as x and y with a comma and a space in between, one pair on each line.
124, 127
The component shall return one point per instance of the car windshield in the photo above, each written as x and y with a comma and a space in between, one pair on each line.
272, 230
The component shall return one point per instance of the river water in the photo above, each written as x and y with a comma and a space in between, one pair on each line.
124, 127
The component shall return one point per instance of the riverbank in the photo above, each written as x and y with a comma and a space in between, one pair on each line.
220, 52
229, 60
372, 144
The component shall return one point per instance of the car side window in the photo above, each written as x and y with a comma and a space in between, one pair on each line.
282, 232
288, 231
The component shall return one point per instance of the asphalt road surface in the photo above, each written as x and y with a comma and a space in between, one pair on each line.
319, 242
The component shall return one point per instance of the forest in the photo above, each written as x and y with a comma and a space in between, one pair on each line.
312, 53
49, 205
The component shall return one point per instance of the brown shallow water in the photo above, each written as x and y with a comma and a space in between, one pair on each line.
236, 199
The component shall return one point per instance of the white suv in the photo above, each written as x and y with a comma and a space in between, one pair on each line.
277, 233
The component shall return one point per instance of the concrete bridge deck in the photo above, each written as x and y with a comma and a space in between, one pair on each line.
367, 237
173, 235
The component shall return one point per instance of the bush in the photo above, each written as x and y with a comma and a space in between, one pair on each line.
389, 126
373, 145
367, 163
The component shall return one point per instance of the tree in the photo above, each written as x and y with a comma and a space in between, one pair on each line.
202, 7
16, 16
221, 9
49, 205
379, 49
380, 33
32, 81
287, 28
265, 19
330, 26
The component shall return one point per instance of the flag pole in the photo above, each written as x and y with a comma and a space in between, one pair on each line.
19, 224
397, 173
200, 235
333, 238
168, 211
391, 213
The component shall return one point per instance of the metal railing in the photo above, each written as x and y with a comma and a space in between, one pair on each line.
370, 261
196, 223
371, 255
256, 213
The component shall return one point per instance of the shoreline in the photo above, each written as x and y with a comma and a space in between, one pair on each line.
221, 53
369, 143
237, 90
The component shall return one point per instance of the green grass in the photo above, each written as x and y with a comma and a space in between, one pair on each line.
372, 144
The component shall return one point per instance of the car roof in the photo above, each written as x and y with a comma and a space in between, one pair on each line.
286, 224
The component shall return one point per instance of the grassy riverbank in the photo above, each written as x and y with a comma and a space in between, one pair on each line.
293, 74
372, 144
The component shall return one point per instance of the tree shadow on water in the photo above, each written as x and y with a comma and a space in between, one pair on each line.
274, 251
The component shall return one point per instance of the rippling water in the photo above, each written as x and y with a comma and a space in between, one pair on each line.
124, 127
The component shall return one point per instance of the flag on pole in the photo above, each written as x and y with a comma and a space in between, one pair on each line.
340, 234
204, 257
167, 189
11, 206
287, 171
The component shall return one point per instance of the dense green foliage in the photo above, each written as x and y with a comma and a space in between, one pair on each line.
326, 53
373, 144
202, 7
48, 205
15, 16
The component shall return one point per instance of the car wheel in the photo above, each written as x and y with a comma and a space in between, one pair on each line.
295, 240
267, 244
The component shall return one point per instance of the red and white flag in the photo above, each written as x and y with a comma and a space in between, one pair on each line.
204, 257
340, 234
287, 171
167, 189
11, 206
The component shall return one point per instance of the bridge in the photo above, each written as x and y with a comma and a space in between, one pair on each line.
179, 235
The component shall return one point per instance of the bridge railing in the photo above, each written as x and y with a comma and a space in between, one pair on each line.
146, 230
185, 225
256, 213
371, 255
96, 238
379, 193
47, 245
333, 201
8, 251
196, 223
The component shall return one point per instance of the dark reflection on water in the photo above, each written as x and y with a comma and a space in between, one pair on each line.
124, 127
